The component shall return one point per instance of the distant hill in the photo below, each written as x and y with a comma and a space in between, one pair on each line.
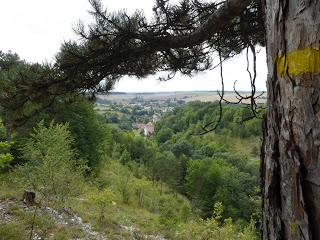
188, 96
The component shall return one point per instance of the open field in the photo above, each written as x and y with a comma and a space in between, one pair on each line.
204, 96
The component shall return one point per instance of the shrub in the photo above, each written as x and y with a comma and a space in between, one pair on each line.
5, 156
102, 200
168, 214
51, 168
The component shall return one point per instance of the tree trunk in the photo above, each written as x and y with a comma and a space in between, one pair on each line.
29, 198
7, 126
290, 166
8, 132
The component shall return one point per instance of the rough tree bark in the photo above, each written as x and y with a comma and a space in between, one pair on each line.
290, 153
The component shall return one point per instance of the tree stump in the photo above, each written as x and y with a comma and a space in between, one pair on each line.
29, 198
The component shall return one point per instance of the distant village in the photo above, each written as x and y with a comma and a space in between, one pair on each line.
137, 113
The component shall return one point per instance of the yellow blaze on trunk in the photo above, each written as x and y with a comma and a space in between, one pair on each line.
298, 62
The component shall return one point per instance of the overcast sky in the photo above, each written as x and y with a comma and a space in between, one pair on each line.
35, 30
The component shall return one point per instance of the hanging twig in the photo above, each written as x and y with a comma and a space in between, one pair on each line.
253, 96
206, 128
254, 108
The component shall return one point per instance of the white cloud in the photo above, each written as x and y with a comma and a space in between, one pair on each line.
35, 30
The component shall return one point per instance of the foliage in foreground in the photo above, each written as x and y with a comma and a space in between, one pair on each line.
5, 155
160, 185
51, 168
213, 228
150, 211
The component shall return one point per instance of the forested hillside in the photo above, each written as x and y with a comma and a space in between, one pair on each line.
220, 167
82, 175
118, 184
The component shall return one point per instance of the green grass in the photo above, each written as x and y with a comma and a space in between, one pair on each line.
12, 231
143, 216
249, 147
102, 205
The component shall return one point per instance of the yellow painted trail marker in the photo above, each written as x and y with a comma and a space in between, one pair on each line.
297, 62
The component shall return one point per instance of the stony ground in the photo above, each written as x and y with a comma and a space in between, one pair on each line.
66, 218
